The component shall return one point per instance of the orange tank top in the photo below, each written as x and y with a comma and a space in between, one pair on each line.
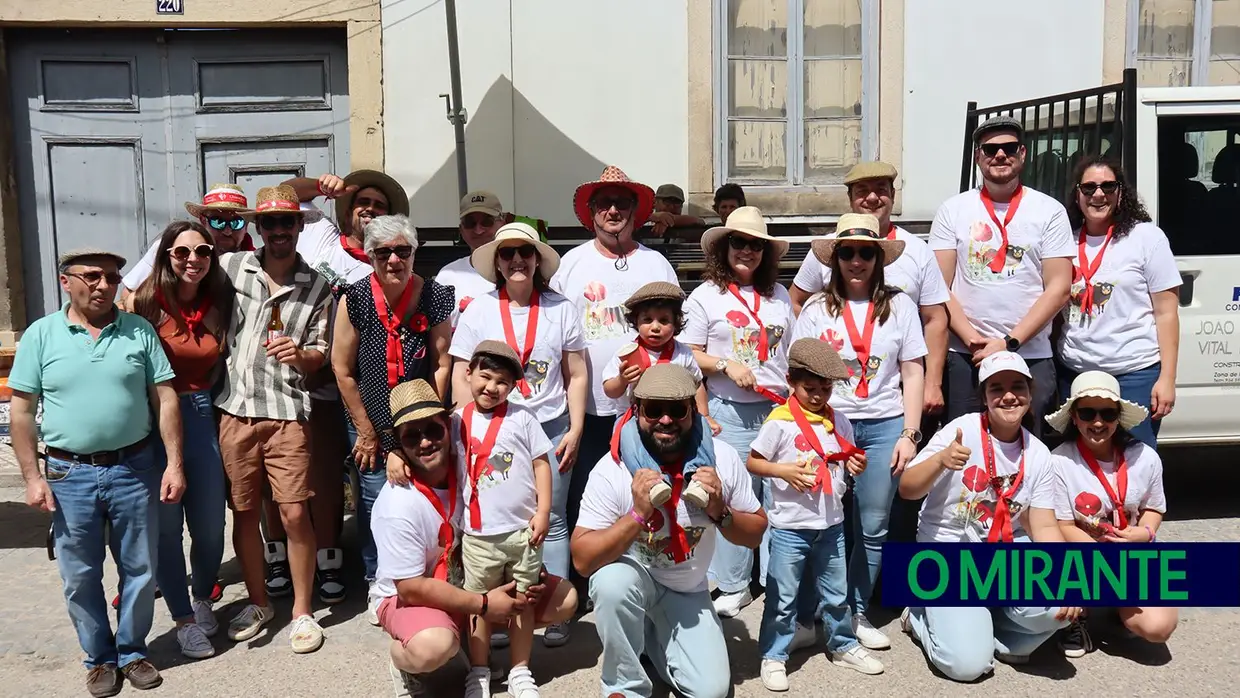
193, 357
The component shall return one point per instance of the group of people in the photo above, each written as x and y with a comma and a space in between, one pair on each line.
528, 428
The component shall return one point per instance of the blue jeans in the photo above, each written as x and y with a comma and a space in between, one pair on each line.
555, 545
732, 565
873, 491
796, 556
1133, 387
370, 483
595, 443
679, 632
962, 642
201, 509
88, 497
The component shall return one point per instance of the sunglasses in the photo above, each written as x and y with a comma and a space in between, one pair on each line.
1009, 148
1089, 414
401, 251
621, 203
740, 242
236, 224
412, 437
286, 222
1108, 188
845, 253
655, 410
477, 221
526, 252
92, 278
182, 252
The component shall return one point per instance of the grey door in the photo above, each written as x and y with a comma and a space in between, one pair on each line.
115, 130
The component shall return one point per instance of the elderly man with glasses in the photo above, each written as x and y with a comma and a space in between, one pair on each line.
482, 215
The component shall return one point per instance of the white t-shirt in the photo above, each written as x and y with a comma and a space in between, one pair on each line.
506, 493
960, 504
319, 244
898, 339
558, 332
598, 290
682, 355
995, 303
468, 283
609, 496
780, 441
1119, 336
916, 272
1080, 497
715, 319
405, 526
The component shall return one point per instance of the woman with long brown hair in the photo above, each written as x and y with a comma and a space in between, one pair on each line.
188, 300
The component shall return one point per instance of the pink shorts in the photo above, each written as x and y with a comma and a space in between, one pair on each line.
403, 621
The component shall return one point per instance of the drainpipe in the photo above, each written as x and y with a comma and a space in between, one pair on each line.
456, 112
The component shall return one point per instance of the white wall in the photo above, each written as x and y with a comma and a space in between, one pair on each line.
555, 89
991, 52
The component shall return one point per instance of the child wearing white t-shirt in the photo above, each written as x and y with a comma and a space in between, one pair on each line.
804, 448
502, 459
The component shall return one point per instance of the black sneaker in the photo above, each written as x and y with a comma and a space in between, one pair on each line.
279, 577
330, 575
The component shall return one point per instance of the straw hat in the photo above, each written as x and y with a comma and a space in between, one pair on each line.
87, 252
500, 350
855, 227
414, 400
220, 197
613, 177
515, 235
748, 221
1103, 385
655, 290
817, 357
398, 200
666, 382
280, 200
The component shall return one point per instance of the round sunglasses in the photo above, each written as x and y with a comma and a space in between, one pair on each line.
234, 224
656, 409
182, 252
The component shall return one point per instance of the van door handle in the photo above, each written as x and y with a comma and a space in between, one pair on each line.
1186, 289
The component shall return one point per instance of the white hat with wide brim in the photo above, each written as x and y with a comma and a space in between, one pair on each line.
514, 235
747, 221
1102, 385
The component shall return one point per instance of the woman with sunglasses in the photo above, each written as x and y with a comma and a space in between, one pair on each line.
544, 329
739, 324
986, 479
188, 299
877, 331
1108, 488
1122, 315
390, 328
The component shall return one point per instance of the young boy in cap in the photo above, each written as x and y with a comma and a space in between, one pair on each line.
504, 467
804, 447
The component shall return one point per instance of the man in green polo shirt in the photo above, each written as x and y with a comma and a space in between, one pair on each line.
99, 372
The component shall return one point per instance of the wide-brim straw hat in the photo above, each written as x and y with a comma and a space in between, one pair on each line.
613, 177
414, 400
1097, 384
224, 197
280, 200
666, 382
817, 357
398, 200
747, 221
500, 350
655, 291
514, 235
856, 227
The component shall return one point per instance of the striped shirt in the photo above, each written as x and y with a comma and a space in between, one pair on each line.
256, 385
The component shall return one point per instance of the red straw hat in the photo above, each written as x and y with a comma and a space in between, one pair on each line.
220, 197
280, 199
613, 177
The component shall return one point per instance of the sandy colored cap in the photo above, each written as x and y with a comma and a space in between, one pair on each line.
748, 221
999, 362
220, 197
280, 200
514, 235
86, 252
500, 350
655, 290
414, 400
481, 202
666, 382
817, 357
857, 227
1105, 386
998, 123
870, 170
669, 191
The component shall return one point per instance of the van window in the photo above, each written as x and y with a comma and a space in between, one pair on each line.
1199, 183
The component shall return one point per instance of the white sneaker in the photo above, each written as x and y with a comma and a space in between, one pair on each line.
194, 642
306, 635
660, 492
806, 636
730, 605
478, 682
774, 675
249, 621
521, 682
906, 625
869, 636
859, 658
204, 617
556, 635
696, 495
499, 639
404, 685
373, 600
1008, 658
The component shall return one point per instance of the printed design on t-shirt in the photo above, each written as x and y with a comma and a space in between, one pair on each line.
464, 303
807, 456
983, 246
871, 368
536, 374
656, 550
602, 321
495, 469
745, 338
975, 507
1089, 513
337, 283
835, 339
1103, 290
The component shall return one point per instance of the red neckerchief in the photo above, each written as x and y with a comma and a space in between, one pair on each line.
763, 342
643, 357
996, 264
476, 463
822, 476
390, 319
770, 394
246, 244
355, 252
1088, 270
446, 534
891, 232
1121, 479
194, 316
678, 543
1001, 522
860, 343
510, 336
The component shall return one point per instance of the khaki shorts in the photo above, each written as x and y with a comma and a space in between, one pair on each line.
257, 452
492, 561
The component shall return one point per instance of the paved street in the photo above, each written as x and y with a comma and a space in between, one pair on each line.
39, 655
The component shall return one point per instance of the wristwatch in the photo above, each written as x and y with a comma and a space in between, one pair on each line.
1013, 344
724, 520
912, 435
721, 365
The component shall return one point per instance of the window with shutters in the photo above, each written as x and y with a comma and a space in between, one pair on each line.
1174, 43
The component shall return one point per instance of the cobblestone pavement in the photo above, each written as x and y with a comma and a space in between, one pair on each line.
39, 654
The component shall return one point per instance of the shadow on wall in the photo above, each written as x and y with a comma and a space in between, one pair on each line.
547, 164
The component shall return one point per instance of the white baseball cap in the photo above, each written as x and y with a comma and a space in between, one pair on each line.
1001, 361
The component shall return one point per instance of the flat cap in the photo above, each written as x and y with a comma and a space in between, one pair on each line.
817, 357
998, 123
85, 252
500, 350
666, 382
669, 191
655, 290
870, 170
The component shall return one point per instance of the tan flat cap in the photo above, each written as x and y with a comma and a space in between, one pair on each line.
655, 290
414, 400
500, 350
817, 357
870, 170
87, 252
666, 382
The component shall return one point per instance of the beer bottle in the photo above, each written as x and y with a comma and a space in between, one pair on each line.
275, 328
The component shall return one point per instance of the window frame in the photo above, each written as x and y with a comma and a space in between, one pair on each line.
1203, 25
794, 146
